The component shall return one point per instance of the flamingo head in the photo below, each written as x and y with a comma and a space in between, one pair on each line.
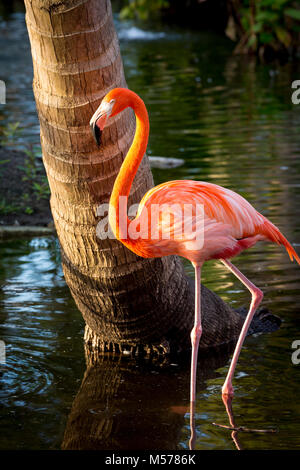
113, 103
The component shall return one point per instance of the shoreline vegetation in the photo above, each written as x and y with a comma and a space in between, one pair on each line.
269, 29
24, 191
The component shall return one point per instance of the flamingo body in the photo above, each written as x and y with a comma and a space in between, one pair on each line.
230, 223
219, 225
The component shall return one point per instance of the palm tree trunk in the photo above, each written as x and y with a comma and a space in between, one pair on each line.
126, 301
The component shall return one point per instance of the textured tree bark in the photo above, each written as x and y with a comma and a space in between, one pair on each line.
126, 301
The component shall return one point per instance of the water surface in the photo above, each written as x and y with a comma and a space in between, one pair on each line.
233, 123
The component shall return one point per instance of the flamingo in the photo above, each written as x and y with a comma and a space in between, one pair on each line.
226, 225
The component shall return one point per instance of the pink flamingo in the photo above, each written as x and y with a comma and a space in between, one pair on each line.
227, 226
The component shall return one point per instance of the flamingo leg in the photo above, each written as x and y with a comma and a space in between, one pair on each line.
257, 297
195, 338
192, 440
196, 332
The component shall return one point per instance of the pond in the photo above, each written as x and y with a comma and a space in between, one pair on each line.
233, 123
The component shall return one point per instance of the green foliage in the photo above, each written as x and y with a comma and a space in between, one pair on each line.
258, 25
41, 189
28, 210
32, 173
11, 133
142, 9
2, 162
266, 24
293, 13
6, 208
30, 167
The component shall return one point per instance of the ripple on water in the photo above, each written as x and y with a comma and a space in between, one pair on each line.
34, 310
23, 376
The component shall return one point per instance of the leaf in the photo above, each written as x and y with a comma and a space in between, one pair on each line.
283, 36
267, 17
257, 27
266, 38
29, 153
126, 13
293, 13
252, 42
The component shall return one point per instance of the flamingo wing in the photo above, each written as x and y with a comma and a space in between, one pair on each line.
229, 223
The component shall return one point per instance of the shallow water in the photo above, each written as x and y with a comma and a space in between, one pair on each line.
233, 123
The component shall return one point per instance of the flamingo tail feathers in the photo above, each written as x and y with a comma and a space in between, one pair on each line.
272, 233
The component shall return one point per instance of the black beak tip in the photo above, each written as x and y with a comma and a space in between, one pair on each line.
97, 133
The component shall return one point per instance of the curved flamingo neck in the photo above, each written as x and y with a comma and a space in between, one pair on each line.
117, 217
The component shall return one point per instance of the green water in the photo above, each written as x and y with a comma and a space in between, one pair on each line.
233, 123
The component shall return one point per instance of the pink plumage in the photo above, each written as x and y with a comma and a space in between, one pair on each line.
218, 225
230, 223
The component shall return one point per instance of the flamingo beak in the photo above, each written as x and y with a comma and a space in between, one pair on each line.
97, 124
99, 119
